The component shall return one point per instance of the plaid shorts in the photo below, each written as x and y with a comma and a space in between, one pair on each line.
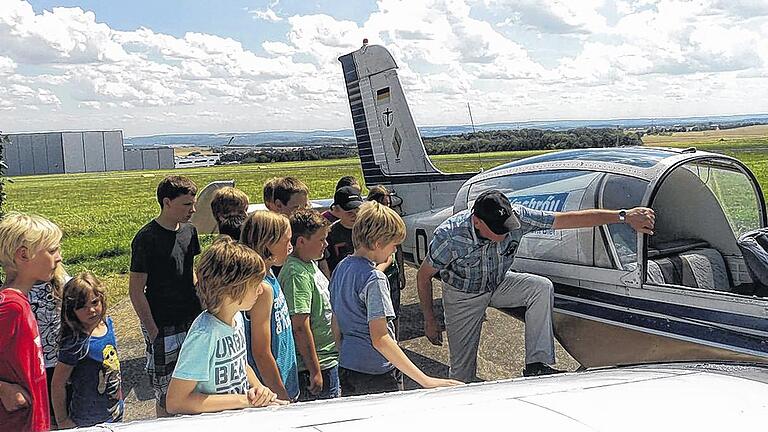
162, 354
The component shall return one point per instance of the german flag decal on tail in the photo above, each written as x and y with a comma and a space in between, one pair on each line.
382, 95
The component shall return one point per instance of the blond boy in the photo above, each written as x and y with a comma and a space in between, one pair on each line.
29, 253
370, 361
212, 373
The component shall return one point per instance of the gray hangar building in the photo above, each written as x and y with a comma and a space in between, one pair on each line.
78, 152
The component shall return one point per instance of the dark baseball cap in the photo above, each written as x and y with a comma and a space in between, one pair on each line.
348, 198
493, 208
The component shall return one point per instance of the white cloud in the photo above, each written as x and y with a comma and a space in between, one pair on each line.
553, 16
266, 15
512, 59
7, 65
65, 35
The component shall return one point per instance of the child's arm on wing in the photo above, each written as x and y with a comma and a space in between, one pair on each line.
260, 395
59, 395
261, 343
183, 399
305, 344
387, 346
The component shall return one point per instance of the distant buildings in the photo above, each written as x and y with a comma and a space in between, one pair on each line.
77, 152
196, 161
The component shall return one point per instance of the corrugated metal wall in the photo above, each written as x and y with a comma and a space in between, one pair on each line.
77, 152
113, 151
74, 153
133, 160
165, 158
55, 153
151, 159
11, 155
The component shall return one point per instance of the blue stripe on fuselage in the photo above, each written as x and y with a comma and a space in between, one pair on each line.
708, 327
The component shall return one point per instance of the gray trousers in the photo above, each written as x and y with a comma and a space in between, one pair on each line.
464, 313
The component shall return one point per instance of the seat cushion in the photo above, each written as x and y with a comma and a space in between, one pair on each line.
698, 268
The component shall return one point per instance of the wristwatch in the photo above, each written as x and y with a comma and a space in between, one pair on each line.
622, 216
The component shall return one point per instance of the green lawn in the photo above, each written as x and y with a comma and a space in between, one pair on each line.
100, 212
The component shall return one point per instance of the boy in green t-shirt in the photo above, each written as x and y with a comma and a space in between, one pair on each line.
308, 298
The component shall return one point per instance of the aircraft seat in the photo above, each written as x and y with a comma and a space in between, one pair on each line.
688, 263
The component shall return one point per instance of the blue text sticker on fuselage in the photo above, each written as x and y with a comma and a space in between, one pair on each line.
545, 202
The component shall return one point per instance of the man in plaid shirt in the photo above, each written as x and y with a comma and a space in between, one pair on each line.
473, 251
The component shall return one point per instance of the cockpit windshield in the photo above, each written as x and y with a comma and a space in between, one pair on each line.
636, 157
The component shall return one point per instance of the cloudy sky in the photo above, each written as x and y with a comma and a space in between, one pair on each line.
164, 66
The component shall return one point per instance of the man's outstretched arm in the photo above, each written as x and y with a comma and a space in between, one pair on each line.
424, 286
641, 219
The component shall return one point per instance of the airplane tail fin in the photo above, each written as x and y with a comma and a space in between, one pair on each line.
389, 144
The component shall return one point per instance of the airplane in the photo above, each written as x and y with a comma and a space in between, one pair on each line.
683, 294
676, 316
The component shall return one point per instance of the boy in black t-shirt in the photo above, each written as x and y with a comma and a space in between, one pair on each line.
162, 280
346, 201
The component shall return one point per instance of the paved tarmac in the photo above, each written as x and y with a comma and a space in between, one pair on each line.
501, 356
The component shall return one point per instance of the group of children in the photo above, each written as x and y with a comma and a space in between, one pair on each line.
59, 353
286, 305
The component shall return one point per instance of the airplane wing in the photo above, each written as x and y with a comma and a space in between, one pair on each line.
699, 397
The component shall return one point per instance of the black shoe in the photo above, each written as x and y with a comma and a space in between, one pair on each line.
537, 369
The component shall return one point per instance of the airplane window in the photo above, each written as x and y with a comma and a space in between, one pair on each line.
642, 158
733, 189
623, 192
547, 190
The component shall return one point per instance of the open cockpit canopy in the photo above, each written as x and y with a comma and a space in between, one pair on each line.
703, 202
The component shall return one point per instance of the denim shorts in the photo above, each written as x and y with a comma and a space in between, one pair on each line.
331, 388
355, 383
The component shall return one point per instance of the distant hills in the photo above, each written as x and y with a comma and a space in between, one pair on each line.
346, 136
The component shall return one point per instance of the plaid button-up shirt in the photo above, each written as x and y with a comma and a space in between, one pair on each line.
473, 264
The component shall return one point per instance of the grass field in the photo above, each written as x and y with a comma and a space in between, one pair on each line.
100, 212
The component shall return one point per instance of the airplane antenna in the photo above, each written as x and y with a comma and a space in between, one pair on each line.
469, 108
477, 150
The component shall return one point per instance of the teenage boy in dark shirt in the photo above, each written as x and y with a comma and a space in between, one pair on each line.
162, 281
346, 201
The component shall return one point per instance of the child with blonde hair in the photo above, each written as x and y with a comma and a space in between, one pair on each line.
270, 340
370, 361
29, 253
212, 373
88, 359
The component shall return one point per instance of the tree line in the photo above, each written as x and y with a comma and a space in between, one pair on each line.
271, 154
476, 142
530, 139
